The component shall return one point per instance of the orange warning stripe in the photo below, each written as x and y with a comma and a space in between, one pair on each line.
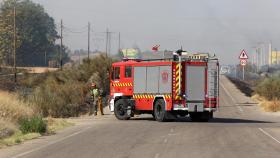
177, 83
122, 84
149, 96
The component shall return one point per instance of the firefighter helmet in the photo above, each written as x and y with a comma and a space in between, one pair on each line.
93, 85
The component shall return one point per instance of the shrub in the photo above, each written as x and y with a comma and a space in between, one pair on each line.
34, 124
6, 129
269, 88
62, 93
268, 106
12, 109
59, 100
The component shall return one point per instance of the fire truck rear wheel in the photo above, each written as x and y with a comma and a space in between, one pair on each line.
159, 111
120, 110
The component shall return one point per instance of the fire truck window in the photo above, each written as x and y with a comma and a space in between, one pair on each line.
128, 71
117, 72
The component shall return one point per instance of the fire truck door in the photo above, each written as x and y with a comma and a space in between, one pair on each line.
195, 87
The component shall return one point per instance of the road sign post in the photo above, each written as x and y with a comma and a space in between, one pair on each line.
243, 63
243, 73
243, 57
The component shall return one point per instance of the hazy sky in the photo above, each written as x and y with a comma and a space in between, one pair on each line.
224, 27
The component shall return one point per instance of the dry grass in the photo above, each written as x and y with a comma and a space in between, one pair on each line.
7, 129
55, 124
268, 106
17, 138
11, 135
12, 109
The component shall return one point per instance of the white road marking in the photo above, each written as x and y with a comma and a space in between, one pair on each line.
51, 143
157, 155
165, 140
231, 97
172, 134
239, 108
264, 132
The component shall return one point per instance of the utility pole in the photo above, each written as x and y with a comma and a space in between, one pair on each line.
61, 43
107, 39
270, 53
261, 50
119, 42
88, 39
276, 56
79, 58
258, 58
108, 42
45, 58
15, 45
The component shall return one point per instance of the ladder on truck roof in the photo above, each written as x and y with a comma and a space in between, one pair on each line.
185, 56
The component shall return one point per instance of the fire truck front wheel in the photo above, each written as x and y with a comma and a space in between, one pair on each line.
159, 111
120, 110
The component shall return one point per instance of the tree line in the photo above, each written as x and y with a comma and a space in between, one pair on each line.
36, 35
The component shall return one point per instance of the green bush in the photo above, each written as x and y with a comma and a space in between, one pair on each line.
269, 88
59, 100
34, 124
62, 93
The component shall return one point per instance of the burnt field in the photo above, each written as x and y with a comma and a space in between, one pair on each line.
7, 82
245, 87
25, 75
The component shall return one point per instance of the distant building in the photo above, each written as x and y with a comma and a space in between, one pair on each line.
274, 57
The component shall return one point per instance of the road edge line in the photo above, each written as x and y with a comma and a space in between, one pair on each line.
51, 143
267, 134
231, 97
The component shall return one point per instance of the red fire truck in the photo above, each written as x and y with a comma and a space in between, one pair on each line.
166, 88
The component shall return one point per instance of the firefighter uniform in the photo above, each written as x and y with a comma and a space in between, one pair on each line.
94, 92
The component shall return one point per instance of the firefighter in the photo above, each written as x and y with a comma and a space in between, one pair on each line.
94, 93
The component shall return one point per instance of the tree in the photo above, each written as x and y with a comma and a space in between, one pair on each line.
36, 33
6, 33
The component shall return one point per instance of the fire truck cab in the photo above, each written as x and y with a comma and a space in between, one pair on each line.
166, 88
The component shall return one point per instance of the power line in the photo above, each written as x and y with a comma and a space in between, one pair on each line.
80, 28
74, 32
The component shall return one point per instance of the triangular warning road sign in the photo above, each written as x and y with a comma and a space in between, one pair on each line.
243, 55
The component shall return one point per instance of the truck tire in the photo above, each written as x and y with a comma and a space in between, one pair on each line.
160, 113
120, 110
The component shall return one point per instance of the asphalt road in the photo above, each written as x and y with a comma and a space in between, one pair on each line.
239, 129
